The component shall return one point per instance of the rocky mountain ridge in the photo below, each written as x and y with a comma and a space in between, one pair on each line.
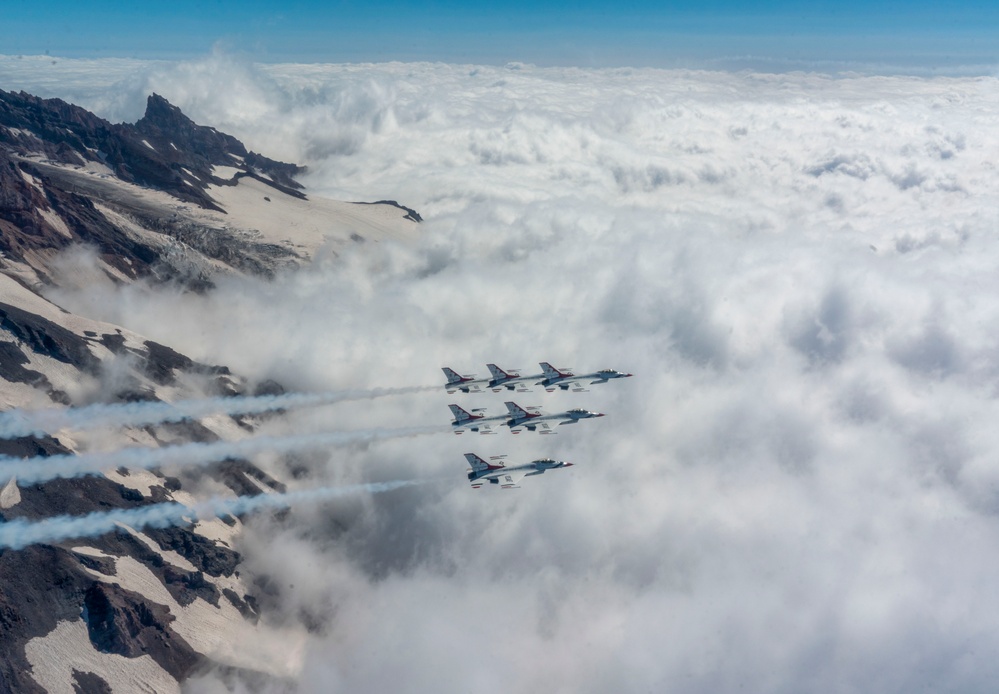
155, 201
162, 199
164, 149
44, 586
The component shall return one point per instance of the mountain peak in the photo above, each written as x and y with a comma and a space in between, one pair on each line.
169, 130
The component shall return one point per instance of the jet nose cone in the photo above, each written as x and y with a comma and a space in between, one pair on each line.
599, 414
566, 464
628, 375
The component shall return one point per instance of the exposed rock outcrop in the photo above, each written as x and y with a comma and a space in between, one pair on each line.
140, 198
165, 149
124, 622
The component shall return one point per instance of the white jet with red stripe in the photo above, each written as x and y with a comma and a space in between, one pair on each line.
534, 419
564, 378
506, 477
474, 420
510, 379
466, 384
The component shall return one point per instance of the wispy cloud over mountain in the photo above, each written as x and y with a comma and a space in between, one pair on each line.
795, 491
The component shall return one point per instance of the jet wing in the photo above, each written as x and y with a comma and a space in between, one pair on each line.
509, 480
532, 426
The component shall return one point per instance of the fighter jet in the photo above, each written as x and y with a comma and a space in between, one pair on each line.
511, 380
474, 421
532, 418
563, 378
465, 384
507, 477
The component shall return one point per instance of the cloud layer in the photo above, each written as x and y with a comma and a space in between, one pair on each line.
796, 492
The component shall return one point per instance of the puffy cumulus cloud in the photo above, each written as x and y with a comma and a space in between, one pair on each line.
797, 491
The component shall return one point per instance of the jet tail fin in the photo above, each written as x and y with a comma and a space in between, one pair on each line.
478, 464
452, 375
552, 372
460, 415
497, 372
516, 410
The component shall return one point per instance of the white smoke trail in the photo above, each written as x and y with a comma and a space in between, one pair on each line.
20, 533
22, 422
41, 469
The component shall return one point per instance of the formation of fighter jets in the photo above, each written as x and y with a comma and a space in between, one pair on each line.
551, 378
518, 418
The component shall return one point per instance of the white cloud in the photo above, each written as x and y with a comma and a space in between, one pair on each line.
796, 490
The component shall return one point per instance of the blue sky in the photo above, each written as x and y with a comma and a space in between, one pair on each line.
547, 32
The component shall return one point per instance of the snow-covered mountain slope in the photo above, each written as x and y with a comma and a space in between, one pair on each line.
58, 624
164, 200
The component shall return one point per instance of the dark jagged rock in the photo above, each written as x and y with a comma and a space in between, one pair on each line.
256, 473
231, 474
236, 474
12, 361
411, 214
40, 335
162, 364
48, 203
269, 387
30, 447
162, 361
129, 494
72, 497
126, 623
89, 494
181, 586
87, 225
45, 337
32, 608
89, 683
115, 342
25, 230
164, 150
246, 607
185, 430
205, 554
193, 584
198, 147
19, 200
159, 495
104, 565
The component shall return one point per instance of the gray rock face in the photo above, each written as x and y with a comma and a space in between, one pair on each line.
43, 336
124, 622
165, 151
41, 586
89, 683
44, 585
153, 152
